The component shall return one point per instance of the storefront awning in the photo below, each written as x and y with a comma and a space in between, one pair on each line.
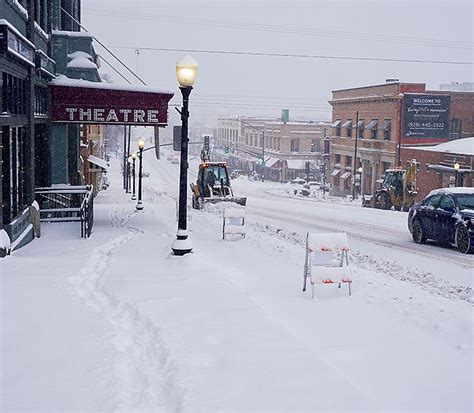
346, 175
336, 124
81, 101
386, 124
373, 124
101, 163
335, 172
295, 164
347, 124
270, 162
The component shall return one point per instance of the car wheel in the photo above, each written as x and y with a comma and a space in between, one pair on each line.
418, 233
463, 240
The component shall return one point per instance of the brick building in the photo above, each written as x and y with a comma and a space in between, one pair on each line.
285, 146
437, 165
385, 118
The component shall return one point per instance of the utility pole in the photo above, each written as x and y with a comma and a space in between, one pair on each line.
125, 157
354, 168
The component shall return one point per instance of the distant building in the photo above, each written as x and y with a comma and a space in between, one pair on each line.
458, 86
385, 118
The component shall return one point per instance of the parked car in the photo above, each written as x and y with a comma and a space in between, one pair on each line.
445, 215
298, 181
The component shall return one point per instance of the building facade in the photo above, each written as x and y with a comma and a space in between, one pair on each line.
385, 118
26, 67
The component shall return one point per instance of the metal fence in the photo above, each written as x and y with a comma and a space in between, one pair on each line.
67, 203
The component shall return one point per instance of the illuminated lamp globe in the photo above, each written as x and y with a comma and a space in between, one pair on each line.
130, 160
456, 167
141, 143
186, 70
134, 155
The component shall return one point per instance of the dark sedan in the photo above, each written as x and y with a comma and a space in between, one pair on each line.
445, 215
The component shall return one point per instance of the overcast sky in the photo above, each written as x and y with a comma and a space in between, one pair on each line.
262, 85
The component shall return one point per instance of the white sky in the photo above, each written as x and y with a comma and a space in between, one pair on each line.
272, 83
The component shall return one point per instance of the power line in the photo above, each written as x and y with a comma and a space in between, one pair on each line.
301, 56
226, 24
115, 70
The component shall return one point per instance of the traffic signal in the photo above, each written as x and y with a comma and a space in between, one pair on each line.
226, 149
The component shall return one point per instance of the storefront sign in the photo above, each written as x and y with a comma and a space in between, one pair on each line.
427, 116
97, 105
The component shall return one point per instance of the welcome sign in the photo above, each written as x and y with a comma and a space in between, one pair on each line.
427, 116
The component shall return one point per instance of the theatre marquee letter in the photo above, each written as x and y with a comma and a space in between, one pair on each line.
121, 116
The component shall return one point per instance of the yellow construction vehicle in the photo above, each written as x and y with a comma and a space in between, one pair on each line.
398, 189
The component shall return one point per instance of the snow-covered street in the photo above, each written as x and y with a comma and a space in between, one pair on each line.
116, 322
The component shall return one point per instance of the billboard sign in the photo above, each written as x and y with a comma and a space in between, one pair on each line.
427, 116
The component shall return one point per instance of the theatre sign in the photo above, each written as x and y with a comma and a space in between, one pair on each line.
79, 101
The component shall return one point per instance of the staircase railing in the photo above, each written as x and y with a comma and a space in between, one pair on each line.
66, 203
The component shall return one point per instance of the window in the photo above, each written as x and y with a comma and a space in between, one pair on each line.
337, 159
337, 126
349, 161
432, 201
348, 126
315, 145
454, 129
295, 145
446, 203
372, 126
360, 129
387, 129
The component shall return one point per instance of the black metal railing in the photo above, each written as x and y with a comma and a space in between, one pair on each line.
66, 203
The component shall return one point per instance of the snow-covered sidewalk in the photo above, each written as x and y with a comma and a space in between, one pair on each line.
118, 323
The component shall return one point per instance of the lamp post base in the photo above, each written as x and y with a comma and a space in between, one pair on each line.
139, 205
182, 244
134, 197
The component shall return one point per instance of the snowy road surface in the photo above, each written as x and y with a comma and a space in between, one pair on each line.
117, 323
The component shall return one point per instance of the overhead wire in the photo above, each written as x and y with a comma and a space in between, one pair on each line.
229, 24
299, 56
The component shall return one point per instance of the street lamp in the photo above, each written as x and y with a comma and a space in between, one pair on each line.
456, 171
141, 146
360, 179
133, 156
186, 70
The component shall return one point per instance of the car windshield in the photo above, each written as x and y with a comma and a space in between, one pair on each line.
465, 201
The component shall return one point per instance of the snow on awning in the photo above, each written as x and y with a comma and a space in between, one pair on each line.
386, 124
335, 172
81, 101
347, 124
295, 164
360, 124
346, 175
270, 162
373, 124
336, 124
444, 168
101, 163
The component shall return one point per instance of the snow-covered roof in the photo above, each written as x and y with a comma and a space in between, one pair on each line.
295, 164
101, 163
81, 62
62, 80
79, 53
455, 190
71, 33
463, 146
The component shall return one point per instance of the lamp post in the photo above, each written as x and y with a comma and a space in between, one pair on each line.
186, 70
360, 180
141, 146
456, 171
133, 156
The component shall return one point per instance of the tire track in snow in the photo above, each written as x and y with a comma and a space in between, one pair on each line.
144, 372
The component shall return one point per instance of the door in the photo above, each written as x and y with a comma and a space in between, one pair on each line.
427, 215
445, 222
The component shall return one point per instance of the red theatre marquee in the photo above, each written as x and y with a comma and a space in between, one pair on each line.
80, 101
